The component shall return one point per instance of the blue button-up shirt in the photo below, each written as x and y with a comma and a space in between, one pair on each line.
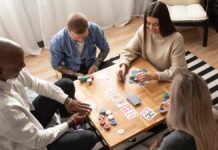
64, 49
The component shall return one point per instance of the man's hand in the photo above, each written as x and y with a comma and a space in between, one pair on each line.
76, 118
92, 69
73, 106
121, 73
79, 74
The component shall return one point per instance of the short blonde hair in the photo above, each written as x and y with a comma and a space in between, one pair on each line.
77, 23
191, 110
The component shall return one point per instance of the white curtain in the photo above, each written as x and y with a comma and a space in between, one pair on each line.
30, 21
19, 22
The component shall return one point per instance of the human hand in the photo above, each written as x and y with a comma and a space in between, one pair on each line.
79, 74
155, 145
121, 73
165, 106
143, 76
92, 69
73, 106
76, 118
215, 113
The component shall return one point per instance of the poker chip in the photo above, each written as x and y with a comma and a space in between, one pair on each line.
107, 127
120, 131
147, 82
113, 122
101, 117
141, 83
108, 112
101, 122
102, 111
89, 81
110, 117
131, 81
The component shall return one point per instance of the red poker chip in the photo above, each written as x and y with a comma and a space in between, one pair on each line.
107, 127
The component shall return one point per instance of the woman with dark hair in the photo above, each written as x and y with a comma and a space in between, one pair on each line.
159, 43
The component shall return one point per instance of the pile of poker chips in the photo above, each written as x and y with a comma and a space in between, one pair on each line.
134, 73
86, 78
110, 117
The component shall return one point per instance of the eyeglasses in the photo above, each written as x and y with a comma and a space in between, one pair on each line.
148, 24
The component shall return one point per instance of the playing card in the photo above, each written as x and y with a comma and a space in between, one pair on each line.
121, 103
111, 92
92, 104
129, 111
102, 76
148, 113
115, 97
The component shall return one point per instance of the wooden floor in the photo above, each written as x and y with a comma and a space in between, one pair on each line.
118, 38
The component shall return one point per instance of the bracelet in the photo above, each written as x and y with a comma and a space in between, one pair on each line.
67, 101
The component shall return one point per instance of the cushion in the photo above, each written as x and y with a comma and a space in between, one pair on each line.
180, 2
193, 12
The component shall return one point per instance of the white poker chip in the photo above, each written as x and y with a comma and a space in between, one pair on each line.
108, 112
147, 82
110, 117
89, 80
120, 131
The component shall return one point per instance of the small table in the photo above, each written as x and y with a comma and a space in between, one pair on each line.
150, 95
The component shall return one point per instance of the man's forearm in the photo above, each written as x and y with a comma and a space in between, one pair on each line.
65, 70
102, 55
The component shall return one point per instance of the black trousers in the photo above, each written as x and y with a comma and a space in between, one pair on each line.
44, 111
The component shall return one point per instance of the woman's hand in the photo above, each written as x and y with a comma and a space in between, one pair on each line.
143, 76
165, 107
121, 73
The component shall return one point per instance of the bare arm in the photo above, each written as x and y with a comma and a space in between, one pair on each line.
102, 55
97, 63
65, 70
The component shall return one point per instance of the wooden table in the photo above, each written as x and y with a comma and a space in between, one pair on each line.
150, 95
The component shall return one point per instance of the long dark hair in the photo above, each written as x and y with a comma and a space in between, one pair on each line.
160, 11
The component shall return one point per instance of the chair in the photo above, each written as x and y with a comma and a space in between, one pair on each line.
189, 13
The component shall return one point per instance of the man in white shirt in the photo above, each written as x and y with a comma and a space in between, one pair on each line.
23, 123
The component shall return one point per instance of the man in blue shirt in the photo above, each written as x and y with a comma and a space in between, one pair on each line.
73, 49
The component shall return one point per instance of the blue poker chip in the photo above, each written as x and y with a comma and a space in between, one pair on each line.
134, 72
113, 122
144, 70
131, 81
165, 99
141, 83
161, 108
